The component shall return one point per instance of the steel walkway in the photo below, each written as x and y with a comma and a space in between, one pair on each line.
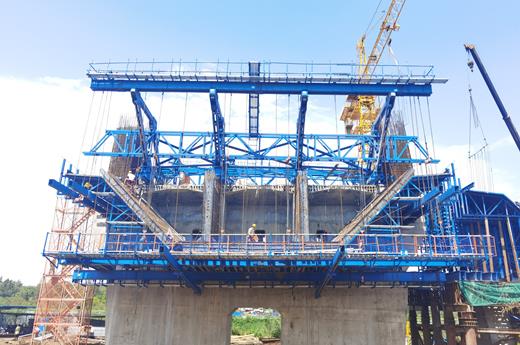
374, 207
145, 212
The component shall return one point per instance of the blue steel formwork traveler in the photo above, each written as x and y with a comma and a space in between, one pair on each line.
413, 230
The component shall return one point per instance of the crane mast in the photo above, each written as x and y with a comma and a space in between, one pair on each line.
360, 111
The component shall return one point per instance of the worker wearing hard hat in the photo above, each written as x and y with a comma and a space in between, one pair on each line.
130, 178
251, 234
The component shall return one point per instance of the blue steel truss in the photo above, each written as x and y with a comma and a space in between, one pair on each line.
196, 152
358, 160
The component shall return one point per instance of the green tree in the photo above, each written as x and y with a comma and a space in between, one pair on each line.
28, 293
9, 288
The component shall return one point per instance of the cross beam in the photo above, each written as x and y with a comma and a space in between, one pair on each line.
367, 277
264, 87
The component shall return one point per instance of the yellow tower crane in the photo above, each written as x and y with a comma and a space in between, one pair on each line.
360, 112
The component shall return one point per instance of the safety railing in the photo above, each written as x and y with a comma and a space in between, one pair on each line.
267, 71
274, 245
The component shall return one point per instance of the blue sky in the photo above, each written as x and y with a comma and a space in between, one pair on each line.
46, 47
59, 38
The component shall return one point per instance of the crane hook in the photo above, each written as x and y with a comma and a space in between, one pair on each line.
471, 64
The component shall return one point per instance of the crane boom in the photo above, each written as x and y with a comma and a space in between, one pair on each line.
360, 111
388, 25
470, 48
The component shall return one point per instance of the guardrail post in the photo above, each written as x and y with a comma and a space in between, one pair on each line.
77, 242
227, 243
456, 244
191, 244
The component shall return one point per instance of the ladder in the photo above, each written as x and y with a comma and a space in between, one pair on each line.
143, 210
374, 207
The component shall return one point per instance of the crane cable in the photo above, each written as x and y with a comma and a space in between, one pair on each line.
371, 22
484, 172
178, 180
80, 155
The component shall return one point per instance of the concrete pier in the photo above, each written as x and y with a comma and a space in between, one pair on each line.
272, 210
174, 315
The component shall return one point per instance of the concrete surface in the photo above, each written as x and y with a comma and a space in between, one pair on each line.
327, 210
181, 208
174, 315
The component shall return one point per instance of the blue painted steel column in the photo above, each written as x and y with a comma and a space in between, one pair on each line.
218, 134
330, 271
254, 101
140, 107
300, 129
165, 252
382, 130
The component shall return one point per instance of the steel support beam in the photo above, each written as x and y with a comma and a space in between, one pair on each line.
384, 113
254, 101
172, 261
139, 102
413, 278
219, 134
313, 88
340, 253
151, 136
72, 194
300, 129
380, 127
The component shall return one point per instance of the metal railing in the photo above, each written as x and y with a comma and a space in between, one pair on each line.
269, 71
274, 245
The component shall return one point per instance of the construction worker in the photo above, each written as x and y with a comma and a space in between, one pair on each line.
130, 178
251, 234
17, 331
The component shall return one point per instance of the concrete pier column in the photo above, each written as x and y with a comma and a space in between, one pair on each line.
301, 214
176, 316
211, 203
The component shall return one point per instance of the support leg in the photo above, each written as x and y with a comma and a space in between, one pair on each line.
302, 205
211, 204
